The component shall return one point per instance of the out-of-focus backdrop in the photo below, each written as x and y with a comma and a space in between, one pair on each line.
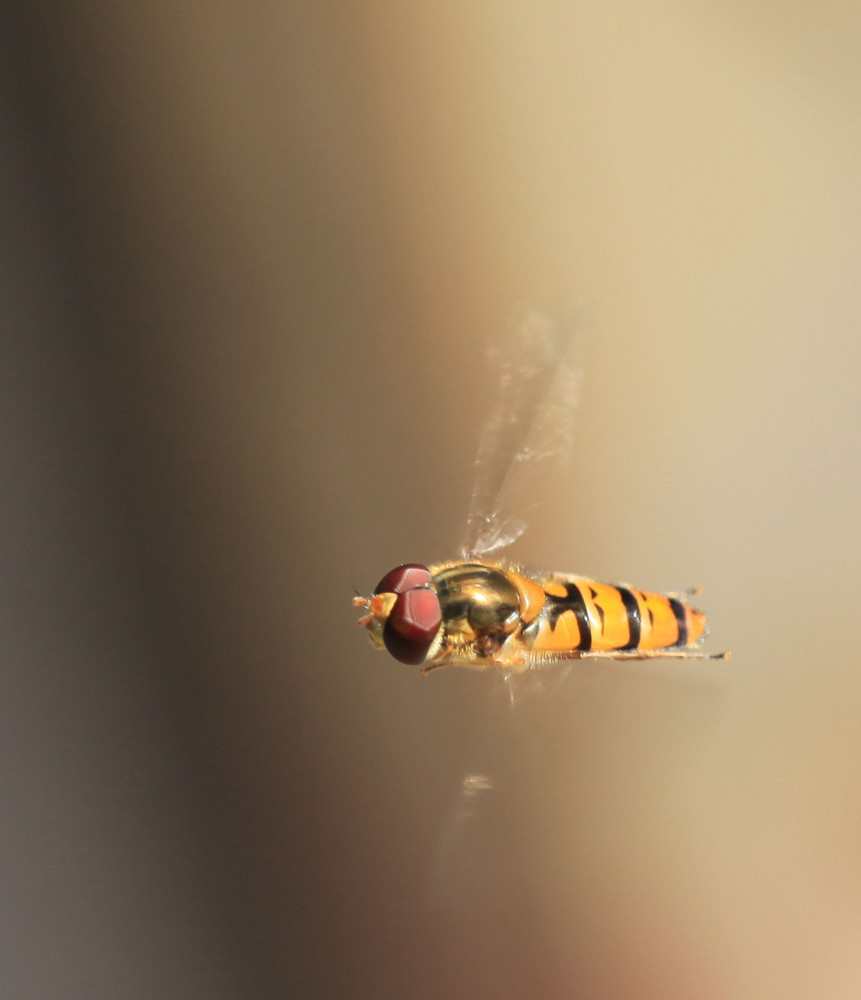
252, 253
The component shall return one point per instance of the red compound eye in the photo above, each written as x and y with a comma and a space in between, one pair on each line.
403, 578
412, 624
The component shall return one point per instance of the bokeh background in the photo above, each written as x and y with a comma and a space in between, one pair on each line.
252, 253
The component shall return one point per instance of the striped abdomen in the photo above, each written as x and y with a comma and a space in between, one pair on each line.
585, 616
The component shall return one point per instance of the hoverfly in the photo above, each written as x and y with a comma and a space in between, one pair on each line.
480, 613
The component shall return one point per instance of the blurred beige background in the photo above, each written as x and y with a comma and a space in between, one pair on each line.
252, 253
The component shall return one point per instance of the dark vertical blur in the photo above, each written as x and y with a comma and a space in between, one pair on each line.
119, 875
146, 379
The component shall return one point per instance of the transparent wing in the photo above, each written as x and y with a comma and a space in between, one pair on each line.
481, 855
534, 384
535, 387
473, 859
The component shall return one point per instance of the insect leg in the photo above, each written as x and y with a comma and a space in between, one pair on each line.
651, 654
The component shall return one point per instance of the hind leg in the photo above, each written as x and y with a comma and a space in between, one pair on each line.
650, 654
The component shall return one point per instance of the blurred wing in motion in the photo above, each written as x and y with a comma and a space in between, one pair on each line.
535, 387
471, 861
481, 856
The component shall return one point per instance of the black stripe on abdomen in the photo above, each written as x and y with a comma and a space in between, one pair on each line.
632, 608
681, 621
572, 601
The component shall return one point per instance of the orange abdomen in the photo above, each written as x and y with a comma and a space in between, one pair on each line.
582, 615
